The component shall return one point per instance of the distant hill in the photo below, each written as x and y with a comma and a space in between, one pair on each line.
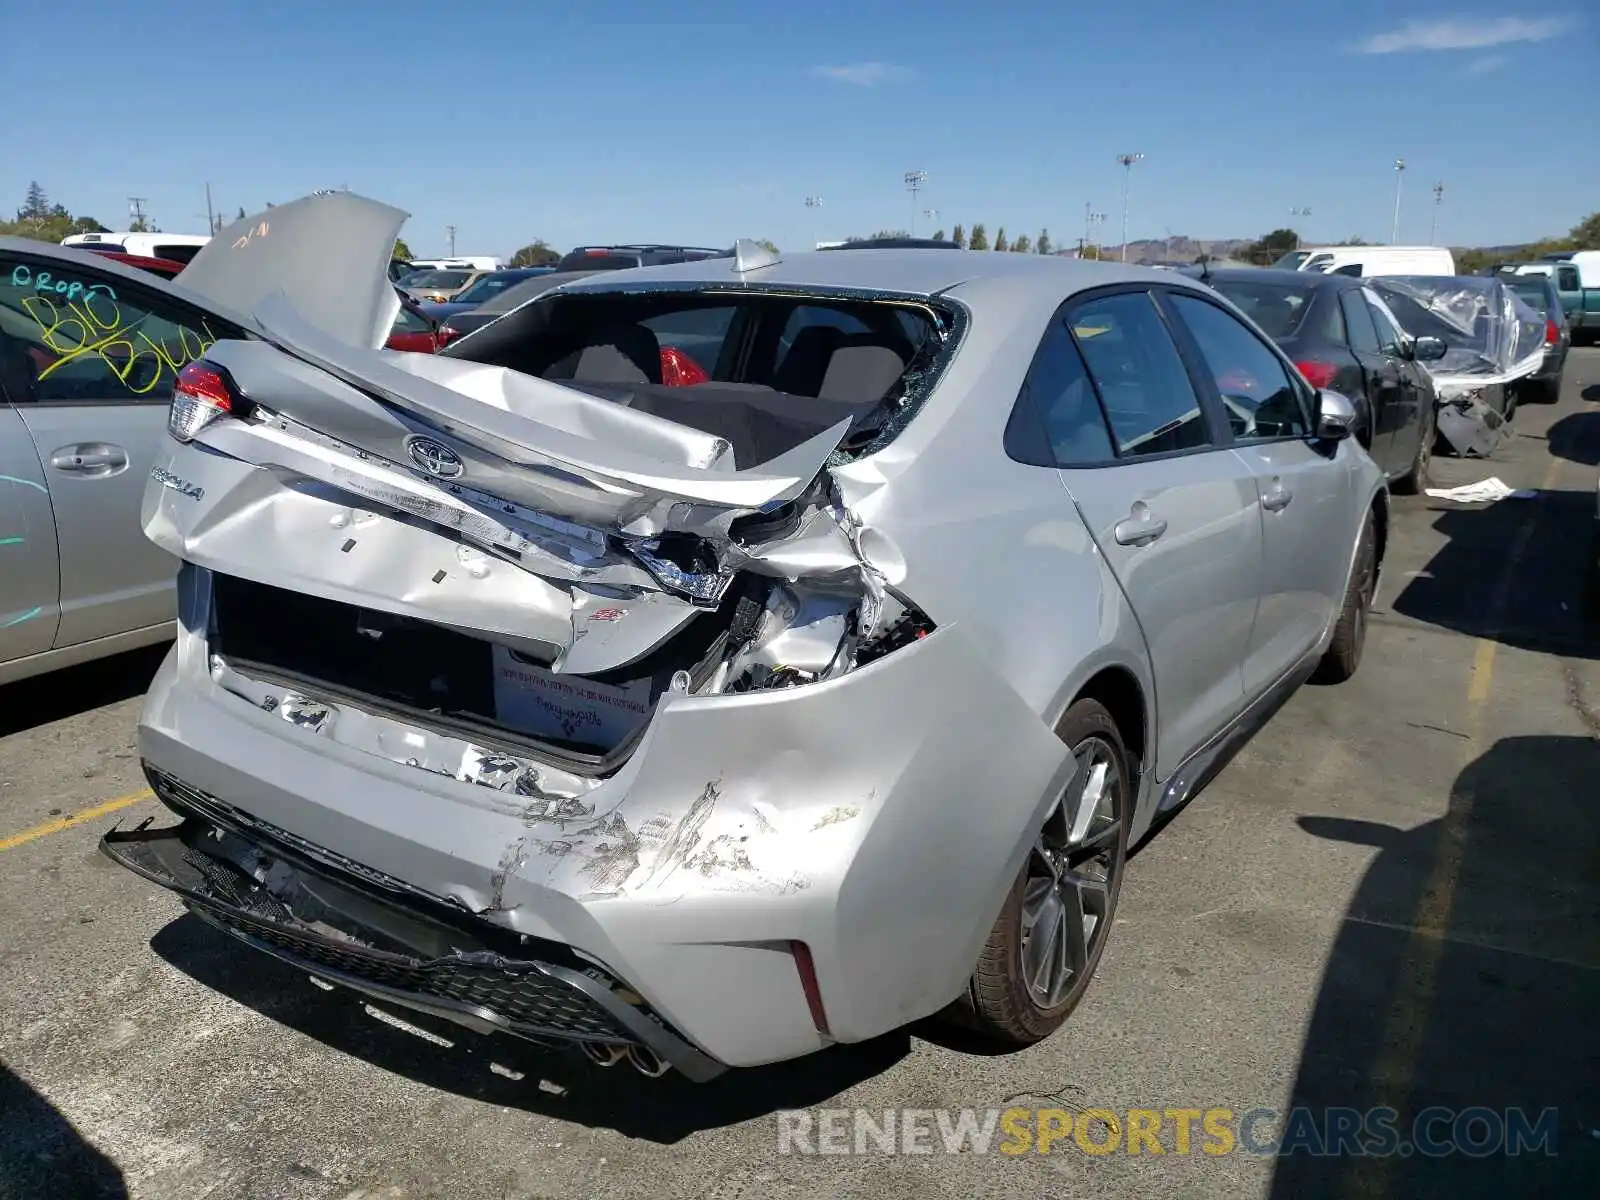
1180, 248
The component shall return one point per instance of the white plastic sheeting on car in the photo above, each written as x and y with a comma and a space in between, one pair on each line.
1491, 336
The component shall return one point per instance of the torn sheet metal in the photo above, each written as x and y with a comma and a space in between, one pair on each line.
1491, 336
329, 251
529, 440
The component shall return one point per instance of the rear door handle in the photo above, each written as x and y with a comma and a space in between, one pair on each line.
90, 458
1276, 498
1140, 528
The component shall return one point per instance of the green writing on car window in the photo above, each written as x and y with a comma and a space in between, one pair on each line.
84, 323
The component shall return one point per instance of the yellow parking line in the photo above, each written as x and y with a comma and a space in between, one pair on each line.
1393, 1074
88, 814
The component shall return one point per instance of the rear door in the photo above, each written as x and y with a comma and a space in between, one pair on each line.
29, 575
1384, 394
1405, 422
101, 356
1171, 507
1304, 496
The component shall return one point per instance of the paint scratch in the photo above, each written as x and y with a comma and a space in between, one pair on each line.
18, 620
24, 482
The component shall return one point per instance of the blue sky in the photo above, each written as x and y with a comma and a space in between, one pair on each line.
701, 121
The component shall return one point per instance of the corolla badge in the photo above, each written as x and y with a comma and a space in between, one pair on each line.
436, 459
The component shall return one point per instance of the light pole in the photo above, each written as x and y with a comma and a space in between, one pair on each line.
1127, 161
1438, 199
1298, 212
815, 202
914, 183
1399, 180
450, 233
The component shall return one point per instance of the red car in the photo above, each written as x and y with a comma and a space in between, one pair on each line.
163, 267
414, 330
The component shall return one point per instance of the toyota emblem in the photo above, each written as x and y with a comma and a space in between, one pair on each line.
436, 459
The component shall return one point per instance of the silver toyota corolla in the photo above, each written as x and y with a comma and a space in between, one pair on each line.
708, 663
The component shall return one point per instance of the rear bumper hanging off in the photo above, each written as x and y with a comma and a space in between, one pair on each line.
344, 932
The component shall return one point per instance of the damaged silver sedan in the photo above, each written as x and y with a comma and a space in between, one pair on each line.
704, 664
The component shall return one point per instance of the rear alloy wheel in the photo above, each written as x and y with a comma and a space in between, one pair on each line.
1343, 655
1416, 476
1050, 933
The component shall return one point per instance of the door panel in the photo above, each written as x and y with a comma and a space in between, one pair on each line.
97, 460
1300, 491
29, 582
1384, 384
1305, 506
1406, 417
1183, 537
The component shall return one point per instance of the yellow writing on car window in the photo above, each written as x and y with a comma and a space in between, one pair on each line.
91, 326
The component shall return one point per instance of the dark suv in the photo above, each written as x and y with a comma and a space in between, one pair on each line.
643, 254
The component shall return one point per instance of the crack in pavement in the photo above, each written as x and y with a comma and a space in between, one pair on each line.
1575, 697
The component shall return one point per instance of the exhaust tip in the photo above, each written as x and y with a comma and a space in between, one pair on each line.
603, 1053
647, 1062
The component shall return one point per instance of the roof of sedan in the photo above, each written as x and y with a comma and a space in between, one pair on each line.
915, 272
1304, 279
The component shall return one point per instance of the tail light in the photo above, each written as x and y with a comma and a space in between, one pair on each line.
200, 396
1552, 332
1318, 374
680, 370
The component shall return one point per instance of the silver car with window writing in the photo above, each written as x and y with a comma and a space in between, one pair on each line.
707, 663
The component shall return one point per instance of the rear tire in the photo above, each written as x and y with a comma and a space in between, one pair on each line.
1033, 973
1416, 478
1343, 655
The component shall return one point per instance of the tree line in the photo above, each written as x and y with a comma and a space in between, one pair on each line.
978, 239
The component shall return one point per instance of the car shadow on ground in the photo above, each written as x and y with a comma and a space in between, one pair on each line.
1512, 572
506, 1071
1591, 393
1466, 975
41, 1154
1576, 437
66, 693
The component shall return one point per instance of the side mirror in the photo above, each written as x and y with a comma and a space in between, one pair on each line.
1428, 349
1336, 416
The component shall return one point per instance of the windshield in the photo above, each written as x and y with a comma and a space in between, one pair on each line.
491, 286
1531, 288
1292, 260
438, 279
1279, 308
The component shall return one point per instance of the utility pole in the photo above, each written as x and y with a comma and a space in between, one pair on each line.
1438, 199
211, 214
1127, 161
1399, 179
915, 180
450, 232
1298, 212
1090, 220
136, 209
815, 202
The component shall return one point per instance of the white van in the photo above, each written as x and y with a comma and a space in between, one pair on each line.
176, 247
469, 262
1371, 260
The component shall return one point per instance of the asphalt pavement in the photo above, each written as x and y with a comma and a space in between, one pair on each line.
1392, 897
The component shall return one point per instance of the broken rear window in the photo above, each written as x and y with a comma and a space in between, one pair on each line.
765, 371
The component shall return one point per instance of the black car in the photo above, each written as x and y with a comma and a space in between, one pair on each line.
641, 254
460, 324
1341, 337
1539, 293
